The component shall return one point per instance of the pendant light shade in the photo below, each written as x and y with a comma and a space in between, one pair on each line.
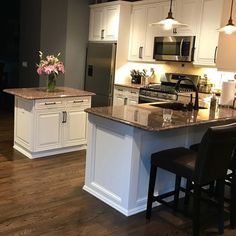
169, 22
230, 27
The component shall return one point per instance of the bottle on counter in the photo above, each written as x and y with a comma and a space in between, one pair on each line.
213, 102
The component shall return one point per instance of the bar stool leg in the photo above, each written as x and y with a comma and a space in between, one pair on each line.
187, 193
196, 209
233, 201
221, 189
151, 188
177, 187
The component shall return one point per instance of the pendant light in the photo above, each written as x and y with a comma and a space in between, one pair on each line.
230, 27
169, 22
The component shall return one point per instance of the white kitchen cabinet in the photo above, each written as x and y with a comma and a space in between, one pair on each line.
50, 126
72, 136
125, 96
48, 129
142, 33
137, 33
207, 36
187, 12
104, 22
226, 56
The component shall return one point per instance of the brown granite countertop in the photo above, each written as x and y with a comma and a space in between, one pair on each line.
130, 85
41, 93
149, 118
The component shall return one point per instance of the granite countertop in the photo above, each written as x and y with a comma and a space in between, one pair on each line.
41, 93
149, 118
130, 85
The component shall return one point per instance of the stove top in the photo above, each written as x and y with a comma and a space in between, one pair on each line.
166, 89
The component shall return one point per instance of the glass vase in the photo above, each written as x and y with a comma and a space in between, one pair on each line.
51, 83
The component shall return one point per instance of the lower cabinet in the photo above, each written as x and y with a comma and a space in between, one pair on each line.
50, 126
125, 96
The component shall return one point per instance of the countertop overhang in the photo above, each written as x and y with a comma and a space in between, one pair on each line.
150, 118
41, 93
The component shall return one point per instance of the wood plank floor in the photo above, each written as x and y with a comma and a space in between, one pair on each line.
45, 197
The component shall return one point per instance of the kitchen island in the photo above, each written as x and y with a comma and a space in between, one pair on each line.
48, 123
121, 140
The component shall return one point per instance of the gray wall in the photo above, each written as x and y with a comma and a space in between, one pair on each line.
52, 27
53, 31
76, 42
30, 24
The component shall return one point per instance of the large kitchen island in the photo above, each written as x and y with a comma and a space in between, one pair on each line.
48, 123
121, 140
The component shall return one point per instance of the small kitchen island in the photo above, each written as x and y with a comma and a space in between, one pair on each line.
48, 123
121, 140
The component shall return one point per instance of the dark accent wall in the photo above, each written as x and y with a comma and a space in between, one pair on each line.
30, 26
54, 26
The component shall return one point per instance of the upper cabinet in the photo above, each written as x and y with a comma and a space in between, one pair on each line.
187, 12
207, 37
226, 56
142, 33
104, 22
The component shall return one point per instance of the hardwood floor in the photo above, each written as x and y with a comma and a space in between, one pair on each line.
45, 197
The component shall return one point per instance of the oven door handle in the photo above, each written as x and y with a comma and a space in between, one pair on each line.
181, 47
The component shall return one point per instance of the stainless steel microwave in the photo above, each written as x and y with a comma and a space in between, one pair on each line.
174, 48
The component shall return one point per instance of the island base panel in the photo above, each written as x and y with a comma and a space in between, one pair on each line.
118, 161
33, 155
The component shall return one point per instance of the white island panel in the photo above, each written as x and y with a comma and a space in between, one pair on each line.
118, 161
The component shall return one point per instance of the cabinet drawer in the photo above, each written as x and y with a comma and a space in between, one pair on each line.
48, 103
78, 102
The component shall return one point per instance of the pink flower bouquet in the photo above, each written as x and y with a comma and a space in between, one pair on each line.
50, 65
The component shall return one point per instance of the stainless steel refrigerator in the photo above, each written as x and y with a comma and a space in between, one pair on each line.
100, 71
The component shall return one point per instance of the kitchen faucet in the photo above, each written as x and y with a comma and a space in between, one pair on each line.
177, 86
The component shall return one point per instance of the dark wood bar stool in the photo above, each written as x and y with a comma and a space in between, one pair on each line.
208, 164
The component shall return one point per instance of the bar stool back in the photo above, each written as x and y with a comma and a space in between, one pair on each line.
209, 164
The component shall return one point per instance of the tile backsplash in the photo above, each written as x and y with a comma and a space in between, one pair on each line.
216, 77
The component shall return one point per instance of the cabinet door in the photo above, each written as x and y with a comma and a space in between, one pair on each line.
47, 131
188, 13
111, 22
154, 14
137, 33
226, 56
74, 128
96, 23
207, 37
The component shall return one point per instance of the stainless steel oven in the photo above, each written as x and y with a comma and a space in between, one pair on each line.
166, 91
174, 48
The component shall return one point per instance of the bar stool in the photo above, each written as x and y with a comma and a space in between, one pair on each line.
208, 164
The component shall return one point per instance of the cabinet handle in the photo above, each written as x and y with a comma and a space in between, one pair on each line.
125, 101
102, 34
215, 54
49, 103
78, 101
133, 92
174, 30
140, 52
64, 117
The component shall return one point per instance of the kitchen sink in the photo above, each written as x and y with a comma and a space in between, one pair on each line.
177, 106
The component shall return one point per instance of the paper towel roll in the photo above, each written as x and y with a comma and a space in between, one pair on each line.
227, 93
